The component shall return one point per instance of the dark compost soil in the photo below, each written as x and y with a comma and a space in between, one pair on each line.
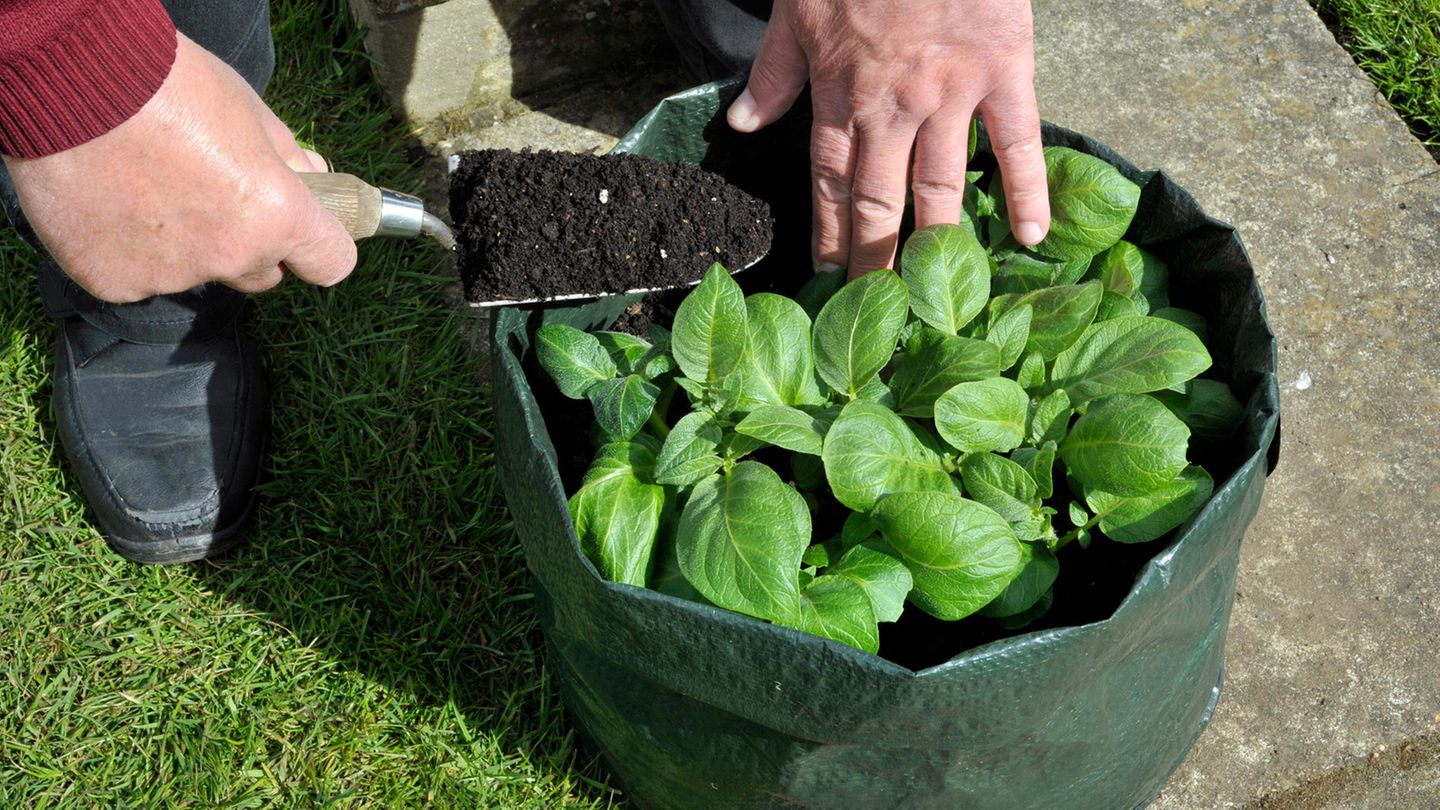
535, 225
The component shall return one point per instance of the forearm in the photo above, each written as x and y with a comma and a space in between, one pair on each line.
71, 70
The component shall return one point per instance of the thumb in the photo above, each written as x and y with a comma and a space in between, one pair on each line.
282, 140
776, 79
320, 251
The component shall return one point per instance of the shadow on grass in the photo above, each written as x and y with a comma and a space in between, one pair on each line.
383, 541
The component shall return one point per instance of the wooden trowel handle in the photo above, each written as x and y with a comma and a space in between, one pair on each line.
367, 211
354, 202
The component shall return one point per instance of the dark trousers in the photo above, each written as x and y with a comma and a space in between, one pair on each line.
238, 32
716, 39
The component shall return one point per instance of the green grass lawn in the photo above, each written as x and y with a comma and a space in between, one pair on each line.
1397, 43
375, 645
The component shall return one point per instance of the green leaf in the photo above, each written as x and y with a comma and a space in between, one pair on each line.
666, 577
1142, 518
741, 538
818, 290
1027, 617
869, 452
933, 363
858, 528
839, 609
635, 457
1002, 485
1010, 333
1114, 306
1039, 462
876, 391
617, 518
960, 553
1154, 282
778, 366
974, 417
737, 445
1208, 408
816, 556
574, 359
790, 428
947, 274
708, 340
690, 452
1119, 269
1091, 204
1051, 418
1127, 270
1031, 373
622, 405
881, 574
856, 331
1061, 314
1128, 356
1027, 589
1077, 514
1023, 271
1127, 444
1193, 321
627, 351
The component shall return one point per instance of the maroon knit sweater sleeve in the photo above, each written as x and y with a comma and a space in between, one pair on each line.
71, 70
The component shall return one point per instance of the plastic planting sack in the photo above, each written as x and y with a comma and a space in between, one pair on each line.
697, 707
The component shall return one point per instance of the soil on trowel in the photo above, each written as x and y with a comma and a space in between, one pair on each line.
540, 224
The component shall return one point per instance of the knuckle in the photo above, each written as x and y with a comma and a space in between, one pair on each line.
830, 185
941, 189
876, 208
1019, 150
1028, 195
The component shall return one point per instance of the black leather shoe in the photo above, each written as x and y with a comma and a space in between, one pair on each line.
161, 408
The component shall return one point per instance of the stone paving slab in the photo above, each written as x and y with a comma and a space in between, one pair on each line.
1334, 647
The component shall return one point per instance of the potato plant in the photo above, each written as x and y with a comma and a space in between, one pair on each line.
953, 425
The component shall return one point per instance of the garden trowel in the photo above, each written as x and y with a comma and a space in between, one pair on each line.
365, 211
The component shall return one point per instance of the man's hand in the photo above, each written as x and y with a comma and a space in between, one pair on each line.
890, 79
198, 186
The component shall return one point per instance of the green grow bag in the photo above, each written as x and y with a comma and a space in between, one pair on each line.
697, 707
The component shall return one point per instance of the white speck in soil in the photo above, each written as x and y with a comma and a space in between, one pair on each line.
1302, 382
663, 254
1329, 257
604, 196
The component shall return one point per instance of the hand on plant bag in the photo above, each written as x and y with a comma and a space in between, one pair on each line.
198, 186
894, 86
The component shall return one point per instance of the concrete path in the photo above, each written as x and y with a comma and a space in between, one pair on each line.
1333, 691
1334, 649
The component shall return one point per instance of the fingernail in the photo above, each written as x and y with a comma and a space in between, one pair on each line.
742, 113
316, 161
827, 267
1029, 233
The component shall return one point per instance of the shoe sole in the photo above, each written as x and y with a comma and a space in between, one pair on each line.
190, 548
193, 547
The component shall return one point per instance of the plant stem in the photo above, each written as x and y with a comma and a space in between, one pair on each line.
1074, 533
657, 415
